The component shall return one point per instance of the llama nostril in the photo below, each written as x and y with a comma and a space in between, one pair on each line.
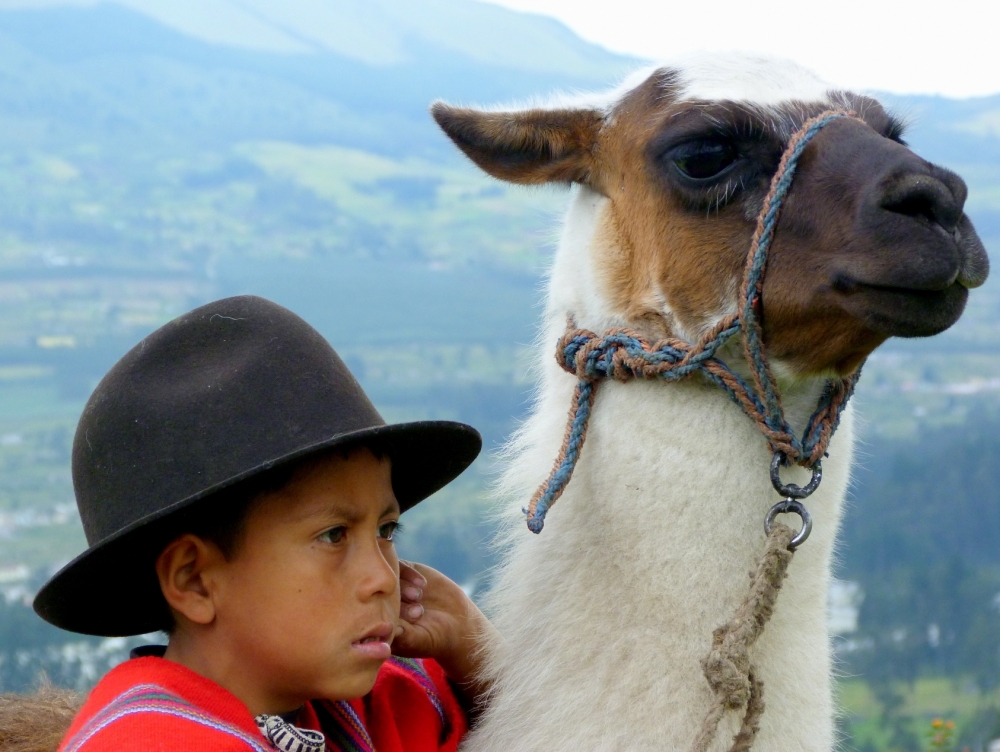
923, 197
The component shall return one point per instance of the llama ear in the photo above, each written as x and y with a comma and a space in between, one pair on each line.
527, 147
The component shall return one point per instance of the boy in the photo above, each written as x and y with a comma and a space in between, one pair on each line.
239, 491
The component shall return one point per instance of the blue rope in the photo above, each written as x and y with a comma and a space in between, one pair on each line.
755, 274
624, 355
583, 401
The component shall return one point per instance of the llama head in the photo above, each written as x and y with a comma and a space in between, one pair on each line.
872, 241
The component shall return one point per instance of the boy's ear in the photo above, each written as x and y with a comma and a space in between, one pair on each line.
527, 147
181, 569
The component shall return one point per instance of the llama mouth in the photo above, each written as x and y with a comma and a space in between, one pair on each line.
904, 311
927, 261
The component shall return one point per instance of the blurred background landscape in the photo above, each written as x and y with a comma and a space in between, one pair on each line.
155, 156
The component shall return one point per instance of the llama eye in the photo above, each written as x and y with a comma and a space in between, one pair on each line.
703, 160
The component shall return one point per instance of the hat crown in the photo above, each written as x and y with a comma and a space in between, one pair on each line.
212, 396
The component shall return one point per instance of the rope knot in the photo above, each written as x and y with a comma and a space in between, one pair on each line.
729, 683
727, 667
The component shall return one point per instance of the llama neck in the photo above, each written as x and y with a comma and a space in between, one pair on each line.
608, 612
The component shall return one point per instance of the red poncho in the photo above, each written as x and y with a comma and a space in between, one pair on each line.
148, 704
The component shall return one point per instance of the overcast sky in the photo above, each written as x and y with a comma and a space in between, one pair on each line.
949, 47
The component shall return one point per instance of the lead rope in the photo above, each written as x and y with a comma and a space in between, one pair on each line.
727, 666
624, 354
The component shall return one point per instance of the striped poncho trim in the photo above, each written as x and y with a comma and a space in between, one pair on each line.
415, 668
343, 727
152, 698
344, 730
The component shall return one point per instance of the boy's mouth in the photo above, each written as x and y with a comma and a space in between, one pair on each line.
376, 642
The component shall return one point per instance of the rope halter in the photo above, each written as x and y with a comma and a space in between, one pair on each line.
624, 354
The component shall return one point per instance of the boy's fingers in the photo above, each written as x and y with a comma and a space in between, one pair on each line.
411, 582
411, 612
409, 574
407, 641
410, 593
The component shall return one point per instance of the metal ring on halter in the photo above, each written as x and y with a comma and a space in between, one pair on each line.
791, 506
792, 491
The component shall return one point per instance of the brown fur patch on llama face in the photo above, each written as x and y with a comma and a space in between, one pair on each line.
678, 259
872, 241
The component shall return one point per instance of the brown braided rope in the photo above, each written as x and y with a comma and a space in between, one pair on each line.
727, 666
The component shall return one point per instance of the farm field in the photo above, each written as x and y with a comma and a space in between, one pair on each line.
871, 728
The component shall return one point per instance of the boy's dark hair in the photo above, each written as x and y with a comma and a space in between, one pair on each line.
221, 520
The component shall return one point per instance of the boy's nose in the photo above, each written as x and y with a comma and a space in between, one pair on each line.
378, 572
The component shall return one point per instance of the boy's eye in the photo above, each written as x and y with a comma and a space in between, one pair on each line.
388, 530
334, 535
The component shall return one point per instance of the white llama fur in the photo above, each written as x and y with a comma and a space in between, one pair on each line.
747, 78
606, 614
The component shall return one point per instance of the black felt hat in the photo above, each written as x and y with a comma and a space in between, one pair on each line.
225, 392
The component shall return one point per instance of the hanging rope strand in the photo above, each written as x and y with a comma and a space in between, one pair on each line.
623, 355
727, 667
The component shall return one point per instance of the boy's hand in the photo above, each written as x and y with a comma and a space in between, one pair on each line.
438, 620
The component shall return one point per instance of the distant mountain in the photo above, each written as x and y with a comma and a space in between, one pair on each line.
155, 155
357, 73
374, 32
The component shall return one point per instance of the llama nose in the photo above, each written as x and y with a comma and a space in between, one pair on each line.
936, 198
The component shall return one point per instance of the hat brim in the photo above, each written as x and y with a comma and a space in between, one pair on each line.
111, 589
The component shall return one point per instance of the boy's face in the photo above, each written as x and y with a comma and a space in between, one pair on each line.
310, 599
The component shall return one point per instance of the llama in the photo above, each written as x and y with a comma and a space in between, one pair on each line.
606, 614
